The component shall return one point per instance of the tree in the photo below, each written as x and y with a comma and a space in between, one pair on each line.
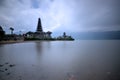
2, 33
12, 29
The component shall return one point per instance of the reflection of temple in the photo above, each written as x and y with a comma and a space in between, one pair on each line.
39, 34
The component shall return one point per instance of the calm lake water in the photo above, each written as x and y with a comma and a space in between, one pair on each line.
59, 60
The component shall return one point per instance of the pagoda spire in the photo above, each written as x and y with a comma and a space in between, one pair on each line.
39, 26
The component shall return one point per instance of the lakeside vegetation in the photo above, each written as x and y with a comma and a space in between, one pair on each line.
15, 38
48, 39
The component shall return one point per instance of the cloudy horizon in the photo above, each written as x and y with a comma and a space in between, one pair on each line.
60, 15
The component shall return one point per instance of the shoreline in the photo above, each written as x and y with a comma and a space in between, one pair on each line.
20, 41
11, 41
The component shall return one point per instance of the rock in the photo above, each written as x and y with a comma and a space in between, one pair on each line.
1, 71
6, 69
11, 65
1, 65
8, 74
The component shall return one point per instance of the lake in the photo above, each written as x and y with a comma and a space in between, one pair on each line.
61, 60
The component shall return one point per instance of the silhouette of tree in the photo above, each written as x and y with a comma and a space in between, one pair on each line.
2, 33
12, 29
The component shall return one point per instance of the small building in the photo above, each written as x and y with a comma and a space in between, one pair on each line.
64, 37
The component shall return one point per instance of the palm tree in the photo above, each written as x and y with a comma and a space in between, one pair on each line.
12, 29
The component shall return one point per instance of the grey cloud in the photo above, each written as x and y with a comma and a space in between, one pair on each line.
100, 13
68, 15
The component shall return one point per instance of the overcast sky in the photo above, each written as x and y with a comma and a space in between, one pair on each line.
60, 15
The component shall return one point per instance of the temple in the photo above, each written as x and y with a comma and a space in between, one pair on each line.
39, 34
39, 26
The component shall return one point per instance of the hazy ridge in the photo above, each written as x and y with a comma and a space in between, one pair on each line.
97, 35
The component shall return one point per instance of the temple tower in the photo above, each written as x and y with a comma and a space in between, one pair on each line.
39, 26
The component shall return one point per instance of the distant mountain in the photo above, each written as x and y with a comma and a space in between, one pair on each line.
97, 35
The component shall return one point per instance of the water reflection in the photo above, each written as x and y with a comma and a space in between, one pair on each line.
59, 60
42, 46
39, 47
